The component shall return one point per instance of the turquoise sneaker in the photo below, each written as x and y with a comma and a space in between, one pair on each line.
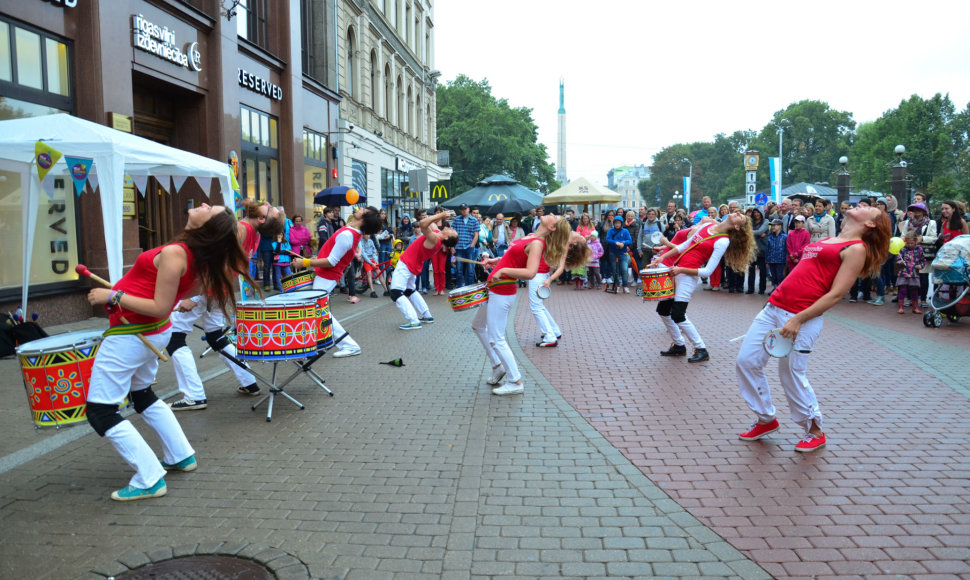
410, 326
427, 320
187, 464
130, 493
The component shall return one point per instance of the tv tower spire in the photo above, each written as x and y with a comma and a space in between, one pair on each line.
561, 137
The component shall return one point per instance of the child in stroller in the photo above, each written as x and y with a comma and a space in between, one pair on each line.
951, 282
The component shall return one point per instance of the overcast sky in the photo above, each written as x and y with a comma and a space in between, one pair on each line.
641, 75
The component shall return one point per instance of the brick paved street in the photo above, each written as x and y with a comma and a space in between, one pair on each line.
889, 496
419, 472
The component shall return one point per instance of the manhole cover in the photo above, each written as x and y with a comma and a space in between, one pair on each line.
201, 568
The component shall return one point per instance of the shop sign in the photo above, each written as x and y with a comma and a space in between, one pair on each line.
160, 41
63, 3
259, 85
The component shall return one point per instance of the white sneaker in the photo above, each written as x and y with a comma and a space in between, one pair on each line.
509, 389
497, 375
345, 352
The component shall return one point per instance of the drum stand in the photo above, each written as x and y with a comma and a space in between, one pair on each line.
277, 388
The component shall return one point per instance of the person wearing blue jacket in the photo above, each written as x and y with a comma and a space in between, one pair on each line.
776, 253
618, 241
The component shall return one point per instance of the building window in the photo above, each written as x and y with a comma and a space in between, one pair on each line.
350, 62
315, 149
359, 176
34, 67
260, 156
388, 94
410, 113
251, 21
373, 80
399, 117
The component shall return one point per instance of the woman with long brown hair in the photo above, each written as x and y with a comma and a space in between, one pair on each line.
825, 273
697, 253
203, 259
952, 221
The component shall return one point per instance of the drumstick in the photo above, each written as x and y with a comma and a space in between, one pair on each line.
469, 261
83, 270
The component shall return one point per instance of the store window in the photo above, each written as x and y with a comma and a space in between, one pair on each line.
314, 164
359, 177
35, 80
260, 156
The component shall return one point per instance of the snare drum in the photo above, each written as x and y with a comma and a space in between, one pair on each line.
302, 280
468, 297
278, 328
657, 283
57, 372
324, 328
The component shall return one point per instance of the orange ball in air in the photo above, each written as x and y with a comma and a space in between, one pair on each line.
352, 196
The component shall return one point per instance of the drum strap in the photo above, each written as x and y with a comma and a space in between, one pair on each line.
145, 328
697, 243
502, 282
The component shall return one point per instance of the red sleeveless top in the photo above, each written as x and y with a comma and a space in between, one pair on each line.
679, 238
812, 277
251, 244
417, 254
140, 282
337, 270
514, 257
702, 246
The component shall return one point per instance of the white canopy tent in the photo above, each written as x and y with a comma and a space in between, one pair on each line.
114, 155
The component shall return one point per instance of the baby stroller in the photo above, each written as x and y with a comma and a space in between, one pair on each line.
951, 283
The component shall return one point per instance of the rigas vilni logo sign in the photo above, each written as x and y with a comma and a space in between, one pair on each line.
160, 41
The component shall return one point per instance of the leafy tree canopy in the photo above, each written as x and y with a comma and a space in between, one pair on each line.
485, 136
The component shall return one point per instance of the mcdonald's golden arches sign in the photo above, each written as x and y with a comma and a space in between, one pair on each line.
439, 190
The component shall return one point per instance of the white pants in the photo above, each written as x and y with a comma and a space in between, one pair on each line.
186, 373
684, 287
410, 306
320, 283
489, 325
792, 370
547, 325
124, 364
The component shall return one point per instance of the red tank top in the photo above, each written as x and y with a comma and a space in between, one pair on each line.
140, 282
514, 257
337, 270
417, 254
679, 238
701, 248
811, 278
251, 243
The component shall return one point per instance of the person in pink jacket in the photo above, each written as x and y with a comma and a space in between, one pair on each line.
798, 238
300, 237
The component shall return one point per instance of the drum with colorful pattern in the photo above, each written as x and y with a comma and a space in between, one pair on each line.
468, 297
324, 320
657, 283
302, 280
279, 328
57, 372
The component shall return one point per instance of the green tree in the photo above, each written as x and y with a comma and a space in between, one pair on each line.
485, 136
815, 136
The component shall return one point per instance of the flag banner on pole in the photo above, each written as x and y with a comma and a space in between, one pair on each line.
687, 192
45, 157
774, 165
80, 168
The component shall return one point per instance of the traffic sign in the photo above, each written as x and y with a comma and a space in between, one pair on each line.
761, 198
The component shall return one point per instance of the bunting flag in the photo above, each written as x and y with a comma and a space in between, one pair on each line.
164, 182
80, 168
93, 180
141, 182
177, 182
45, 157
205, 183
48, 186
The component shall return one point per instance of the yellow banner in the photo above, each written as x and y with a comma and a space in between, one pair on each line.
45, 156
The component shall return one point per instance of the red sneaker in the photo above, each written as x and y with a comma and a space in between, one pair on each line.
810, 443
759, 430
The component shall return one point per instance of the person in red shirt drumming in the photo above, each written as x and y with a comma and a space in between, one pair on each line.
332, 259
202, 260
551, 241
430, 242
826, 271
697, 254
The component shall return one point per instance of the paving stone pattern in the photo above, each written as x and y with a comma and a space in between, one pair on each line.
412, 472
890, 495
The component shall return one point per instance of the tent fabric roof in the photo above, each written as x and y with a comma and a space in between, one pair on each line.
581, 190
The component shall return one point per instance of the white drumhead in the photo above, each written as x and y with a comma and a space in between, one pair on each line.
655, 238
61, 342
544, 292
295, 298
777, 345
657, 270
470, 289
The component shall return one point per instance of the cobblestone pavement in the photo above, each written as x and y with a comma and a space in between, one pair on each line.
411, 472
889, 496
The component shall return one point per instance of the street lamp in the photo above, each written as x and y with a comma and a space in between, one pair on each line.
676, 196
690, 177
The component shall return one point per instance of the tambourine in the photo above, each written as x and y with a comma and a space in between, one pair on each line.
543, 292
777, 345
655, 238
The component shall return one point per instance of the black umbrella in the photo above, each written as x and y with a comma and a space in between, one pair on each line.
338, 195
511, 206
492, 190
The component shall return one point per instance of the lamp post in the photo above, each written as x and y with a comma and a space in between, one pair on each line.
842, 184
899, 177
690, 177
676, 196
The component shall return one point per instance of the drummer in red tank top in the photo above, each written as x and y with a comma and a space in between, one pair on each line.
699, 255
550, 241
411, 303
827, 270
202, 260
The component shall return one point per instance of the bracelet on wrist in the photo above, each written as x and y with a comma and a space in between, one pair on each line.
116, 298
